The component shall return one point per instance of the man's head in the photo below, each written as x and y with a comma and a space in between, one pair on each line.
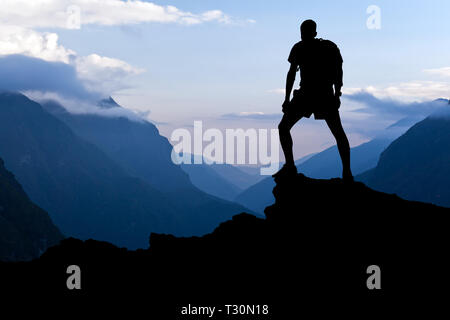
308, 29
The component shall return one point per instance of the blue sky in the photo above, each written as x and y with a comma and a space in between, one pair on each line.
205, 70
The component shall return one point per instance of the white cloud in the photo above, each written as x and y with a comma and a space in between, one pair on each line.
277, 91
104, 74
98, 73
255, 115
407, 91
442, 72
64, 13
82, 106
411, 91
19, 40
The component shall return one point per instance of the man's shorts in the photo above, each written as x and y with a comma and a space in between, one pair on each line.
303, 104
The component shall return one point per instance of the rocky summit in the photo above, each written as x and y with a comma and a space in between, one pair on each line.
313, 252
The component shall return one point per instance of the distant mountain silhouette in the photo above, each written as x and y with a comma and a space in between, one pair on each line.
416, 166
137, 146
26, 230
107, 103
407, 122
323, 165
241, 176
221, 180
313, 249
204, 177
88, 194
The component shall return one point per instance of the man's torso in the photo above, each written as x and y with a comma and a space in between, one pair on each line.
318, 61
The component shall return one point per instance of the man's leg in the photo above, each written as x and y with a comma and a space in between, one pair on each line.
284, 129
335, 125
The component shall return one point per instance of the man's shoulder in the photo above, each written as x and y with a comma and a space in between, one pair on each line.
297, 45
295, 54
297, 48
328, 43
324, 42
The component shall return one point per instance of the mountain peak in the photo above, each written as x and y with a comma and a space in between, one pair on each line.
442, 100
108, 103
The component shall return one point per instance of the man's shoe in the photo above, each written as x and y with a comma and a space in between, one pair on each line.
286, 170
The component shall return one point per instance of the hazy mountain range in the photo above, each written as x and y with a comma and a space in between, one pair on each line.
108, 178
222, 180
111, 177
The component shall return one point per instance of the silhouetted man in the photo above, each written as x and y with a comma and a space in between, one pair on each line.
320, 64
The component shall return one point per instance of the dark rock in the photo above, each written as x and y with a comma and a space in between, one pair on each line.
311, 253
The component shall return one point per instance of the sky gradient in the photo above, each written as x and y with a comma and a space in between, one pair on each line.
223, 61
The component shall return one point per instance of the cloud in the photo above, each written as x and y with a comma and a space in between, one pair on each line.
60, 83
159, 123
389, 108
72, 14
22, 73
418, 91
277, 91
83, 106
442, 72
104, 74
19, 40
364, 115
411, 91
98, 73
386, 117
145, 114
251, 115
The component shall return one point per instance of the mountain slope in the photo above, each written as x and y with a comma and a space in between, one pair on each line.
241, 176
323, 165
135, 145
86, 194
416, 166
204, 177
26, 230
221, 180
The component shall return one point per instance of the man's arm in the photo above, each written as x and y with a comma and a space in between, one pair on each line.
290, 79
339, 74
338, 79
338, 84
